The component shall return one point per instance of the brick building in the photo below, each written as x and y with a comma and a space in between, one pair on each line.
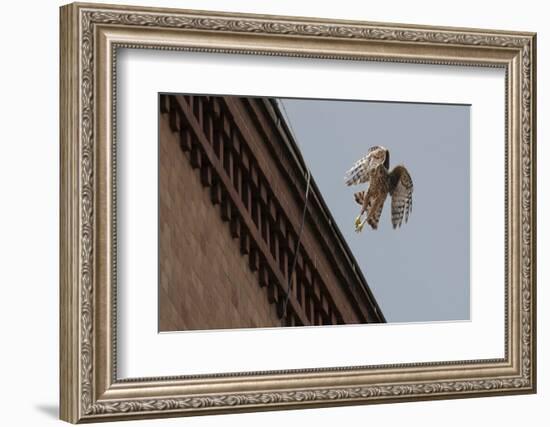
232, 187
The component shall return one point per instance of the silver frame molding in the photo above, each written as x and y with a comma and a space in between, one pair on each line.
90, 36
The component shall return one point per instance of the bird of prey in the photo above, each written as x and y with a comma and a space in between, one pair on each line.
373, 168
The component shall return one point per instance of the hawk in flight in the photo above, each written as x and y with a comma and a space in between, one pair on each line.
374, 168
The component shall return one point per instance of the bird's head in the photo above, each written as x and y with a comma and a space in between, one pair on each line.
379, 152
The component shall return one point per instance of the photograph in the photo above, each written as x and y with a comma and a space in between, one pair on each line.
278, 212
261, 212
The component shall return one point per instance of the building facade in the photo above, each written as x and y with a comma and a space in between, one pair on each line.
236, 232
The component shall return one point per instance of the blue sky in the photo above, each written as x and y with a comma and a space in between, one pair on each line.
421, 271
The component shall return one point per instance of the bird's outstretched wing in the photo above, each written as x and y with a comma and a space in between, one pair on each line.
359, 172
401, 189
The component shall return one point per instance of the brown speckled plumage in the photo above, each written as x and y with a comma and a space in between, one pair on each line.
374, 169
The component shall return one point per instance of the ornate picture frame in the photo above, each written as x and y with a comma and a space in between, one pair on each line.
90, 37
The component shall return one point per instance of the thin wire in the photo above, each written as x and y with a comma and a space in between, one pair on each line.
282, 108
295, 258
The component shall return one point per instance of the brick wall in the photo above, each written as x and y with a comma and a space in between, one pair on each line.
205, 282
290, 205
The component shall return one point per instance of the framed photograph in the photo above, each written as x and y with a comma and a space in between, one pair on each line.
237, 221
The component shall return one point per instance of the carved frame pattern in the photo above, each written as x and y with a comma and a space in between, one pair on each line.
81, 399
